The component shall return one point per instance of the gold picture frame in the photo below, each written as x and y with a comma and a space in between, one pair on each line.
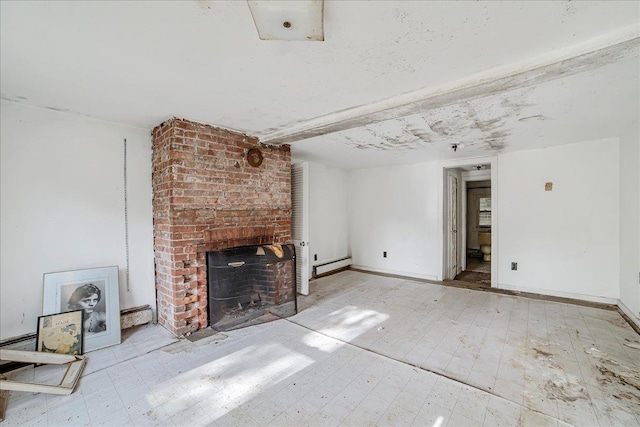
61, 333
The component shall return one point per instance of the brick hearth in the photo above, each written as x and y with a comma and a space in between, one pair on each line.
207, 197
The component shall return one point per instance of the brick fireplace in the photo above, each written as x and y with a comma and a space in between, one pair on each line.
207, 197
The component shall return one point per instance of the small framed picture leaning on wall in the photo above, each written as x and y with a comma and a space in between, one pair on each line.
95, 292
61, 333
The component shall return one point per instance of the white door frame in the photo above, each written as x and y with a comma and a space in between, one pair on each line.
300, 231
442, 201
452, 224
463, 224
483, 175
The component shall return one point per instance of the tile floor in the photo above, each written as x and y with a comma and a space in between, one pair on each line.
477, 272
365, 350
477, 264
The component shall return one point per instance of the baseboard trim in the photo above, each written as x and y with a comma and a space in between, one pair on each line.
560, 294
128, 317
629, 316
612, 305
393, 273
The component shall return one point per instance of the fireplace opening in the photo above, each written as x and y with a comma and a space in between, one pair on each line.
248, 285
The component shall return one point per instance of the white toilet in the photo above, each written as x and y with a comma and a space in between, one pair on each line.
484, 239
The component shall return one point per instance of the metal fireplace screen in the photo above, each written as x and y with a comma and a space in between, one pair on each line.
248, 285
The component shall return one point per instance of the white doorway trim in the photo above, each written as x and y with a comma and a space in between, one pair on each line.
452, 199
300, 223
470, 176
442, 201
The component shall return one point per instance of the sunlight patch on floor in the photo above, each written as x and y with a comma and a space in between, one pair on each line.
236, 378
351, 321
321, 343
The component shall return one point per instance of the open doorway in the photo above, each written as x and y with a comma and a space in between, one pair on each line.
469, 217
477, 250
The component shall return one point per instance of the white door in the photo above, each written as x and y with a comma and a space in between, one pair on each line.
453, 226
300, 223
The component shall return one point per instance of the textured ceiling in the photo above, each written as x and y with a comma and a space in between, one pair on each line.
387, 84
592, 105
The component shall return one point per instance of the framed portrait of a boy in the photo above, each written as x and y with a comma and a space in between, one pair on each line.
95, 292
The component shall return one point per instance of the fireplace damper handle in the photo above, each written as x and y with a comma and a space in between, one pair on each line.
236, 264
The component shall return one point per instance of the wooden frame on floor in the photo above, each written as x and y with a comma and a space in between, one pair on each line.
75, 365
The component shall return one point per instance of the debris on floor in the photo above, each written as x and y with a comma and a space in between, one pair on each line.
567, 387
632, 344
618, 375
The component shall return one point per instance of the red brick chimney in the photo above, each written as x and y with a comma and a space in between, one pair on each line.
206, 196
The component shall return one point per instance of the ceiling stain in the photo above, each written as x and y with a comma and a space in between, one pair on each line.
481, 124
440, 128
536, 117
490, 124
10, 98
62, 110
377, 138
501, 85
401, 15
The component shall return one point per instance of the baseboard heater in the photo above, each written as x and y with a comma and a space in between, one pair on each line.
136, 316
328, 267
128, 318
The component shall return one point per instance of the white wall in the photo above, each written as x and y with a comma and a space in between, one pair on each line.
565, 241
630, 219
62, 207
396, 209
328, 229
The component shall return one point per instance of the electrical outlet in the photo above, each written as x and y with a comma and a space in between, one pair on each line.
514, 265
315, 257
384, 254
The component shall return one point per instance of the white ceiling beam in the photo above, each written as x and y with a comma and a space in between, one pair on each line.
575, 59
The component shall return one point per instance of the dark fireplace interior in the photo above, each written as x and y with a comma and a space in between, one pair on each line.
248, 285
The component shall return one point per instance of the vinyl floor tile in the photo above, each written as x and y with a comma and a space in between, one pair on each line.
364, 350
